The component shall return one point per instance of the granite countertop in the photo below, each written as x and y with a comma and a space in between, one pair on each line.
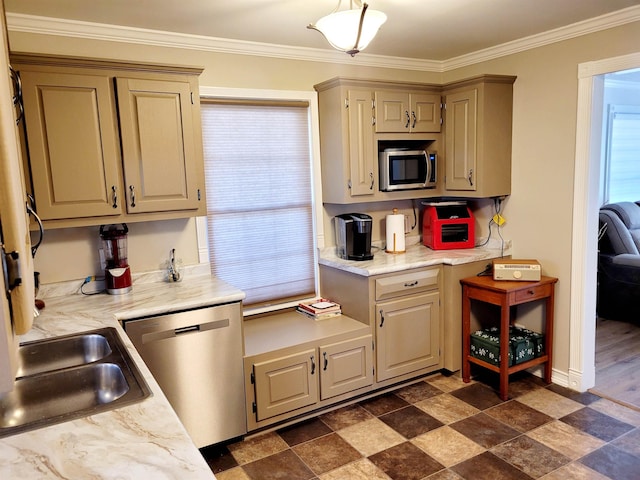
416, 256
143, 440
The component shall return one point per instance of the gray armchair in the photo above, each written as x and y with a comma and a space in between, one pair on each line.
619, 262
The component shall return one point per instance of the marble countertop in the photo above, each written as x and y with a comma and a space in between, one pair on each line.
416, 256
143, 440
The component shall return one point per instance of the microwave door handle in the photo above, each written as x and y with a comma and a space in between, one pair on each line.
430, 168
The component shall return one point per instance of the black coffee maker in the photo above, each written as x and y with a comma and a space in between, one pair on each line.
353, 236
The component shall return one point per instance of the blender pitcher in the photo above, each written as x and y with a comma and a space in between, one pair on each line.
117, 275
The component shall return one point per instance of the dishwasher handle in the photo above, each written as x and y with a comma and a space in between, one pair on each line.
174, 332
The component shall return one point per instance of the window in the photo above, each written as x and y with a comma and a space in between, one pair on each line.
260, 204
622, 154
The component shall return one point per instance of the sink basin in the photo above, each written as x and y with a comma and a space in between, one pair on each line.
69, 377
61, 352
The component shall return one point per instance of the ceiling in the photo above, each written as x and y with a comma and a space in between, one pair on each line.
435, 30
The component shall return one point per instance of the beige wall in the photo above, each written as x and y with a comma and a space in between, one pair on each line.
539, 211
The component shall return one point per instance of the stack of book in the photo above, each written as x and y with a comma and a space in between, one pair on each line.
320, 309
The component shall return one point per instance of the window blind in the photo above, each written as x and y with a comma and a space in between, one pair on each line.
259, 199
623, 154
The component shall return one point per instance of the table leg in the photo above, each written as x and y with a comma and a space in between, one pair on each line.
504, 351
466, 335
548, 339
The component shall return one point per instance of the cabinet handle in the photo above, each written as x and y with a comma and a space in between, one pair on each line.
313, 365
133, 195
326, 361
381, 318
470, 178
415, 120
17, 94
114, 196
371, 176
531, 292
412, 284
408, 119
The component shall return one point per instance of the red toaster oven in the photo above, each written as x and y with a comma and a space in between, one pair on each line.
448, 226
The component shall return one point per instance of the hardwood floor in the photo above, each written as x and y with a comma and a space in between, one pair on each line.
618, 362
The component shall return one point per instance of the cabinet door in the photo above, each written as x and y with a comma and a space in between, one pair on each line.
361, 146
407, 335
392, 112
425, 112
345, 366
157, 134
285, 384
460, 133
73, 144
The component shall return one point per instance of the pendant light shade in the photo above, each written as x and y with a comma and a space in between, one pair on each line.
350, 30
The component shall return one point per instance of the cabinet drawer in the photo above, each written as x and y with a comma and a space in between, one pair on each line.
406, 283
532, 293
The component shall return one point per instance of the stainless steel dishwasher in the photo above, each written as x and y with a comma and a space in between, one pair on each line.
196, 358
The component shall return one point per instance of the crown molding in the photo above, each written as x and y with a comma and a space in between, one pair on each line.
603, 22
116, 33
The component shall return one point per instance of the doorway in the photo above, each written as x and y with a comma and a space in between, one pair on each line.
617, 348
586, 204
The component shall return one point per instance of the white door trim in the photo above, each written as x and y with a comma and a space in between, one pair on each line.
585, 216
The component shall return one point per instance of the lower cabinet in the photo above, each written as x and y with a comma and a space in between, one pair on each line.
403, 309
345, 366
285, 384
295, 365
291, 382
408, 335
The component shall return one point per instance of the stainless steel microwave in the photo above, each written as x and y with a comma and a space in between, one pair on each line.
403, 169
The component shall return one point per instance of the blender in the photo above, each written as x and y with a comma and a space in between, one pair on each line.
117, 275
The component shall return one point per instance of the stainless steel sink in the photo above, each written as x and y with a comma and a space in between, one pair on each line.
61, 352
69, 377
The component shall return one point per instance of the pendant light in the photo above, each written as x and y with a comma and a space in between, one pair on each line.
350, 30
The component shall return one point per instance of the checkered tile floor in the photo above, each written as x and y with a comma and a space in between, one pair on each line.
444, 429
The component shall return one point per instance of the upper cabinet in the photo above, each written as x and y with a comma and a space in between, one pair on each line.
478, 117
73, 144
407, 112
158, 145
110, 142
466, 123
350, 112
346, 141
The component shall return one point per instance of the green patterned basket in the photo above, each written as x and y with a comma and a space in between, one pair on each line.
524, 345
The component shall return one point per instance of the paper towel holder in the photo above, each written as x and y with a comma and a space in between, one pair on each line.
395, 230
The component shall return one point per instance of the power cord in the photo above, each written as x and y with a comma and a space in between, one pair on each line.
415, 215
497, 220
488, 270
88, 280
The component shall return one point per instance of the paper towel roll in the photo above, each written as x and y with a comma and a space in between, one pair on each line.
395, 233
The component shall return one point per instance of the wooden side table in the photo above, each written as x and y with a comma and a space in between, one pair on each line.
506, 294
